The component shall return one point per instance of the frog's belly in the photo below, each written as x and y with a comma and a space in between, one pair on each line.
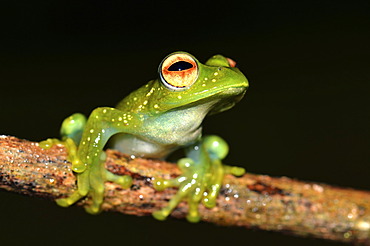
132, 145
163, 134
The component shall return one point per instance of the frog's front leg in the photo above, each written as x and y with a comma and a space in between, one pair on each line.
201, 179
88, 159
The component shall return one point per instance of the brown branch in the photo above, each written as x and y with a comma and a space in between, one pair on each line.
252, 201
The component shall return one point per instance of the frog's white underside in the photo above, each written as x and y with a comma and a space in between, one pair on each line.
164, 134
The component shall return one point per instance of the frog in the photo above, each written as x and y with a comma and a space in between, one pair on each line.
153, 121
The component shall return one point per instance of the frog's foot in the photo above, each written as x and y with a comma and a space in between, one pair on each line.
91, 183
82, 190
50, 142
70, 145
98, 175
190, 188
201, 178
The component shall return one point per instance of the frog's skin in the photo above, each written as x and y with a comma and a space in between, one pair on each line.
153, 121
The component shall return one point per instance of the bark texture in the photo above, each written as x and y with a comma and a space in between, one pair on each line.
252, 201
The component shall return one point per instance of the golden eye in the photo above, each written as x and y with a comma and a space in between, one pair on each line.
178, 71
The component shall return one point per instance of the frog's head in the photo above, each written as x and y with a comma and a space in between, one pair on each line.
185, 82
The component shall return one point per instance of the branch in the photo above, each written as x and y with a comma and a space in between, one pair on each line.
252, 201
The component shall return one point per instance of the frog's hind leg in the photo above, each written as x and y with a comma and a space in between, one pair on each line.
73, 127
71, 132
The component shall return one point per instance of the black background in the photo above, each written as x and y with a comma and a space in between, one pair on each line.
306, 114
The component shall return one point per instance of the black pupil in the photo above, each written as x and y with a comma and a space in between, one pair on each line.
180, 65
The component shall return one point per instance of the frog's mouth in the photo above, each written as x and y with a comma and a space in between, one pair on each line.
227, 99
216, 100
219, 101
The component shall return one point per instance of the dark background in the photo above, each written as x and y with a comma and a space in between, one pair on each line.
306, 114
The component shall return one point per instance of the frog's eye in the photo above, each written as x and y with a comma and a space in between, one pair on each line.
178, 71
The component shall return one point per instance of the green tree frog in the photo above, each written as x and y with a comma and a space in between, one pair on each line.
152, 122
